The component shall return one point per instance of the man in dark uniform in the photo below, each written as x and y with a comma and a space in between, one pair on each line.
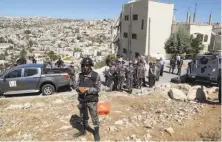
108, 60
88, 87
59, 63
172, 65
34, 60
21, 61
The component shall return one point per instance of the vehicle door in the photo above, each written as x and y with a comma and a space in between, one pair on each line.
213, 68
203, 66
11, 80
30, 78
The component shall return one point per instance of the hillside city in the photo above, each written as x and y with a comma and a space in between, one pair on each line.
139, 76
66, 37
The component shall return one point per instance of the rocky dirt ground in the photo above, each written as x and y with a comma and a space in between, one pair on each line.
152, 116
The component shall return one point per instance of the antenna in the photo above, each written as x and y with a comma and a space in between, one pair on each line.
194, 15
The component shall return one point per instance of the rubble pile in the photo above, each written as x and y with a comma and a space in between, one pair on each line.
180, 92
132, 117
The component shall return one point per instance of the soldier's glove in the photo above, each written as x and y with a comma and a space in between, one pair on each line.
83, 90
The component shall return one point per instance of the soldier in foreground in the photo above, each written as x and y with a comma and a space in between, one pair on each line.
88, 87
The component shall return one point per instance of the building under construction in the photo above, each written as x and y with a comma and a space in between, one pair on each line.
143, 28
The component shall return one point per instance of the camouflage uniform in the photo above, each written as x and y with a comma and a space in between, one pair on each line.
88, 101
112, 80
72, 76
179, 66
129, 76
120, 75
135, 66
172, 65
152, 78
140, 74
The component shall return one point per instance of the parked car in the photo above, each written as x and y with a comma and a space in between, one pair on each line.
32, 78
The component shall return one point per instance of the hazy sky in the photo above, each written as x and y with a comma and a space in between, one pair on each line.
98, 9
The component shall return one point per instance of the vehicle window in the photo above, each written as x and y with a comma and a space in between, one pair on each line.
30, 72
14, 74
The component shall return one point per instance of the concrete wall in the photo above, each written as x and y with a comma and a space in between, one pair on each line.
205, 30
215, 43
161, 15
137, 45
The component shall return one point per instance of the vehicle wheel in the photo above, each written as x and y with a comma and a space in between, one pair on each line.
48, 89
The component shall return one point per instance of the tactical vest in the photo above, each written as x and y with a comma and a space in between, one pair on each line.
88, 82
121, 70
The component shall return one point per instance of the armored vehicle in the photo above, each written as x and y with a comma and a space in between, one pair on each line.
205, 68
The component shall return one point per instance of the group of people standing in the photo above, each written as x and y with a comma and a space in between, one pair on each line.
119, 76
176, 62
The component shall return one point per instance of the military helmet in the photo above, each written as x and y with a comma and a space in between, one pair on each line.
87, 62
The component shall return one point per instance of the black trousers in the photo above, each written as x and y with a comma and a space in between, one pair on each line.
161, 70
152, 80
171, 68
219, 93
179, 71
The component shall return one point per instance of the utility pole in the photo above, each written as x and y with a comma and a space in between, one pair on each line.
149, 41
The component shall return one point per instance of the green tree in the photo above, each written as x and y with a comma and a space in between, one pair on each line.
6, 53
52, 55
23, 53
183, 42
177, 43
77, 50
171, 45
196, 44
27, 32
30, 43
2, 57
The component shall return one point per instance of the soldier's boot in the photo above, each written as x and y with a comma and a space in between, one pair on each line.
80, 133
96, 134
88, 128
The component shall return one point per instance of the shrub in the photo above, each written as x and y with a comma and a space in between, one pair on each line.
100, 64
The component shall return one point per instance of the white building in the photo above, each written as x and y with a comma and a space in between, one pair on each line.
143, 28
203, 30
